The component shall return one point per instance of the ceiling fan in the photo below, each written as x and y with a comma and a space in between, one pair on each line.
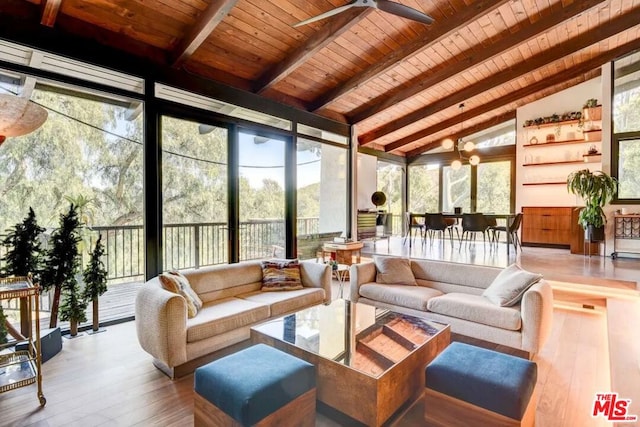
384, 5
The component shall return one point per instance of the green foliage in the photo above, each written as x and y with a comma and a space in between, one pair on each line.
62, 259
3, 328
590, 103
597, 189
95, 274
423, 189
73, 306
62, 262
24, 254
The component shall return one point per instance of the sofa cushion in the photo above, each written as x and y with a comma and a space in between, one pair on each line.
175, 282
415, 297
509, 286
394, 270
285, 302
281, 275
475, 308
224, 315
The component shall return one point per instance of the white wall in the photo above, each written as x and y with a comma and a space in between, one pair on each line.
367, 180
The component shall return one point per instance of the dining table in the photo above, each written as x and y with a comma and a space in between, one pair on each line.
508, 217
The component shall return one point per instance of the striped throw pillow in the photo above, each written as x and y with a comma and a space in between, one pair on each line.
281, 275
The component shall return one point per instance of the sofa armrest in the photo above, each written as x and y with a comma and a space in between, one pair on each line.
358, 275
161, 323
537, 316
316, 275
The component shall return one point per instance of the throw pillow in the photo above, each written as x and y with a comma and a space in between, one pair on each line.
509, 286
281, 275
394, 271
174, 281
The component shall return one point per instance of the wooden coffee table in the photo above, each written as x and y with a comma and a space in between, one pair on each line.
369, 362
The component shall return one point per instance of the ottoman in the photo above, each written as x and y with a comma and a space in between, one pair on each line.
259, 385
468, 385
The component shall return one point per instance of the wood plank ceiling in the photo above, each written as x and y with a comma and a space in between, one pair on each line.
398, 81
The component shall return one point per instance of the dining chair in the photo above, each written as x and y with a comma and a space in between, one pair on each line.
411, 224
436, 222
513, 228
473, 223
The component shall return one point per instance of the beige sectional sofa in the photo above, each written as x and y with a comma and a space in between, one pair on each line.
233, 302
452, 293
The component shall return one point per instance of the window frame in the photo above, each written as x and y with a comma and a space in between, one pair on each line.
615, 163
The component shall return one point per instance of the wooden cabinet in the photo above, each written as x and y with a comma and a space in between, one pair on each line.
547, 226
554, 227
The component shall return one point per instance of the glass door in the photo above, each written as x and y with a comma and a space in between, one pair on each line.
194, 194
261, 195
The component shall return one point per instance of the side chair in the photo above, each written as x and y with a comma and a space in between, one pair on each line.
473, 223
435, 222
512, 230
411, 224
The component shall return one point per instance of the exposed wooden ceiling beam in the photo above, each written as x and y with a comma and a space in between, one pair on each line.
602, 32
211, 17
479, 127
429, 38
333, 29
50, 10
548, 82
549, 18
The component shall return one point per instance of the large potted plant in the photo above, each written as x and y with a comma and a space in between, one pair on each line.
63, 262
597, 189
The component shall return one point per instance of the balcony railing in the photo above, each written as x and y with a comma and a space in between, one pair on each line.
190, 245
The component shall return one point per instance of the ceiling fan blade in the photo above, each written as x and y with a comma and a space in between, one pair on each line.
326, 14
403, 11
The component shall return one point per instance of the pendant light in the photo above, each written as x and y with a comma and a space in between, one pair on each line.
467, 146
19, 116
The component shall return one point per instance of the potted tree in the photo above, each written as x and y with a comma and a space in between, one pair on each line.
24, 254
23, 257
62, 259
95, 280
597, 189
73, 308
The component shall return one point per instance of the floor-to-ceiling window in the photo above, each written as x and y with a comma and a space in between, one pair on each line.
89, 153
194, 194
321, 194
456, 188
494, 187
424, 188
261, 196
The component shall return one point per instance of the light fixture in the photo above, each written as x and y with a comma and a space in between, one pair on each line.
461, 146
19, 116
447, 144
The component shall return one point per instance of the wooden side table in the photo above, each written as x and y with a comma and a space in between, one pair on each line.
343, 253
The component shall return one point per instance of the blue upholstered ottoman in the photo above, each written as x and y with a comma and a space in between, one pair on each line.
259, 385
468, 385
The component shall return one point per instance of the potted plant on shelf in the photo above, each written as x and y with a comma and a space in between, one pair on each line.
597, 189
591, 110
